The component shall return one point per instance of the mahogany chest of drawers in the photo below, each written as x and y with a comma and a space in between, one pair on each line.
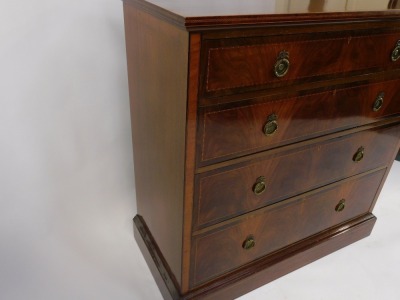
263, 132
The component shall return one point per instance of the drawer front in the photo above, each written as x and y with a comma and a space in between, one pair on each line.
281, 225
238, 64
242, 130
223, 194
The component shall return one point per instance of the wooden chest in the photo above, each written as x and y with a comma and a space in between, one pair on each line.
263, 132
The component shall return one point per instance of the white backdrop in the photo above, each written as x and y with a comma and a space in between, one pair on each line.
66, 171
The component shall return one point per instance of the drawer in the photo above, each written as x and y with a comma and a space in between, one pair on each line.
242, 130
280, 225
238, 189
234, 65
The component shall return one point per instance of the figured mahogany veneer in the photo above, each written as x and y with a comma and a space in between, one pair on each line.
280, 225
226, 133
258, 272
243, 176
227, 193
237, 64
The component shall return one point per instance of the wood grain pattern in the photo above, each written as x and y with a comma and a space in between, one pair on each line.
392, 160
210, 14
155, 260
235, 65
157, 76
256, 156
229, 192
230, 132
272, 267
280, 225
191, 125
260, 272
201, 87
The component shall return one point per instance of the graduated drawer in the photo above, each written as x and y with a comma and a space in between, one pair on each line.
282, 224
237, 189
247, 64
242, 130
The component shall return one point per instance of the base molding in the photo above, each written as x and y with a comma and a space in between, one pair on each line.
257, 273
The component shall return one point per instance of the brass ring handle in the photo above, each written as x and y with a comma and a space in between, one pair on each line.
260, 186
359, 155
378, 102
271, 126
249, 243
282, 64
341, 205
396, 52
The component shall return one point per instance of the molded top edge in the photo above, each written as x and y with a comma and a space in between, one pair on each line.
217, 13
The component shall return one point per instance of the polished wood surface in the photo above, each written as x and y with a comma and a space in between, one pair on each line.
158, 131
289, 259
256, 156
214, 13
191, 126
301, 32
235, 64
202, 88
155, 260
192, 8
229, 132
229, 192
280, 225
260, 272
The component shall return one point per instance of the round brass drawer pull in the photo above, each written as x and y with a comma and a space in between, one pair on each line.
396, 52
260, 186
282, 64
378, 102
341, 205
359, 155
271, 126
249, 243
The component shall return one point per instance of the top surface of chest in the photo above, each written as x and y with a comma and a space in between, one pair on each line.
210, 13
